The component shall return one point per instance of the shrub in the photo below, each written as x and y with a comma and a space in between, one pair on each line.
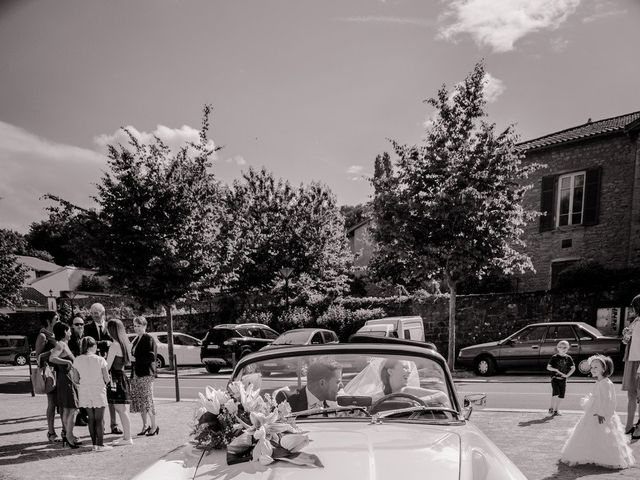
249, 316
297, 317
346, 322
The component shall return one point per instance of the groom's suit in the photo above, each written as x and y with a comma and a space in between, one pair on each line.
297, 400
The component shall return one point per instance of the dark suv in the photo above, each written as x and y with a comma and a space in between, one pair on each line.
225, 344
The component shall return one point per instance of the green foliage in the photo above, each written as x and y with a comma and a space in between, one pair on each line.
159, 220
92, 283
21, 245
11, 273
256, 317
452, 207
355, 214
297, 317
278, 226
591, 276
346, 322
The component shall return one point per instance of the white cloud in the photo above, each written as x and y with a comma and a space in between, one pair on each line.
33, 166
559, 44
174, 138
353, 169
237, 159
419, 22
493, 88
498, 24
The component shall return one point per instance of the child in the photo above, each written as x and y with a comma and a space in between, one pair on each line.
562, 366
92, 389
598, 438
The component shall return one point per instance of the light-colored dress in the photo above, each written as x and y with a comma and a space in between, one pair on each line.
92, 391
597, 443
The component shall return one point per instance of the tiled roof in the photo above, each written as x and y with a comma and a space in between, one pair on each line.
33, 296
589, 129
37, 264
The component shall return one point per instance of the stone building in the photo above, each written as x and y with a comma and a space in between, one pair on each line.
590, 195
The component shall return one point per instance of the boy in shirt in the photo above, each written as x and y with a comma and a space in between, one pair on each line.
562, 367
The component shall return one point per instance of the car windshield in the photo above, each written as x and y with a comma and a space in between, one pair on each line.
392, 384
295, 337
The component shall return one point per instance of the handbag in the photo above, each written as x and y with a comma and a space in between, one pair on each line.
43, 379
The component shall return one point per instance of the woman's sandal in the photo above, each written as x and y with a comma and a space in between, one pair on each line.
52, 437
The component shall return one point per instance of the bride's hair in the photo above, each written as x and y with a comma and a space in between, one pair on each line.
384, 374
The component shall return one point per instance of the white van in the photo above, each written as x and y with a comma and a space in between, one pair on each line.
410, 328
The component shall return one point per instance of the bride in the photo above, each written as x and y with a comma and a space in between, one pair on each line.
384, 376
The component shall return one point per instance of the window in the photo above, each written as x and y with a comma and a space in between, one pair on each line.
530, 335
162, 338
185, 340
316, 339
561, 332
570, 199
269, 334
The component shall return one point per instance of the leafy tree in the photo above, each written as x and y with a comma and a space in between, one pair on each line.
159, 221
355, 214
451, 208
21, 246
66, 234
11, 273
278, 226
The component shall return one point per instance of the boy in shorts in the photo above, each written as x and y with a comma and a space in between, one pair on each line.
562, 367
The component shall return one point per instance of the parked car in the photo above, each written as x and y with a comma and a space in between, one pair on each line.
185, 347
299, 336
225, 344
364, 434
410, 328
14, 349
532, 346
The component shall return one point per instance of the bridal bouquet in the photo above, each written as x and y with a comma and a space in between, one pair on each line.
250, 426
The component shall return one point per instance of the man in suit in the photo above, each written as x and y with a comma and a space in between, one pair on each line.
324, 379
98, 330
77, 332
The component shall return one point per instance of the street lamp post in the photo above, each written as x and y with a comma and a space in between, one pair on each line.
286, 272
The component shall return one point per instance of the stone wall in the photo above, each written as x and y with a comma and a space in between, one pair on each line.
608, 242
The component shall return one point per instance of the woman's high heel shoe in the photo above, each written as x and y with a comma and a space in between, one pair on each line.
70, 444
155, 432
52, 437
144, 431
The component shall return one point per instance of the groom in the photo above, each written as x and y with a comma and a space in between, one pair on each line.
98, 330
324, 379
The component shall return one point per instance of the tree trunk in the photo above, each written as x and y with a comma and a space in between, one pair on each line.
451, 354
170, 335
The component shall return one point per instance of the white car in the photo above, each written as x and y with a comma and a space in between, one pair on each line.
185, 347
419, 431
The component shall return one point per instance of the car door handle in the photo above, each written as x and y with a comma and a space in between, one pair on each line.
575, 345
535, 347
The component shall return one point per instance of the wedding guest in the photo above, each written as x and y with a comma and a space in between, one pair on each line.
630, 380
45, 342
143, 350
98, 330
77, 333
66, 389
118, 393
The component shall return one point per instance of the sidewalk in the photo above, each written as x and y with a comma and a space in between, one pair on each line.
532, 440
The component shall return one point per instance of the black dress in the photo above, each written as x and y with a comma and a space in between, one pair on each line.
118, 391
66, 389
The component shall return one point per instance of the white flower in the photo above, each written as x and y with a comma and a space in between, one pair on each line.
263, 450
294, 442
213, 399
231, 406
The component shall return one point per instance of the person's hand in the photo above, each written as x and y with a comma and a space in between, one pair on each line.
600, 418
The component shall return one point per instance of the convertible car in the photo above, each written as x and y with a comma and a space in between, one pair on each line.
396, 415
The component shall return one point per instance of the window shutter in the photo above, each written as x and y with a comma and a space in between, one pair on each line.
547, 202
592, 196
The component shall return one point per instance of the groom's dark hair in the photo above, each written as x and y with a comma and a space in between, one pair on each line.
322, 370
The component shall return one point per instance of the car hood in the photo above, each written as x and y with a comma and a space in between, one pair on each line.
480, 346
362, 451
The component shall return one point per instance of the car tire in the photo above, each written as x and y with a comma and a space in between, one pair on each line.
159, 362
484, 366
20, 360
212, 368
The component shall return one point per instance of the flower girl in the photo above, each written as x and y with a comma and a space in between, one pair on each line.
598, 438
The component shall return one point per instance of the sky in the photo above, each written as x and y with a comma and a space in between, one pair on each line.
310, 90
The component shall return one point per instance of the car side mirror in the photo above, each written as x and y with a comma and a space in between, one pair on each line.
471, 401
199, 343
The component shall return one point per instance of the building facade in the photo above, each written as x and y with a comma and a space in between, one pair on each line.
589, 193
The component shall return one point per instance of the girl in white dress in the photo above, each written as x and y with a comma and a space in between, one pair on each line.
92, 389
598, 438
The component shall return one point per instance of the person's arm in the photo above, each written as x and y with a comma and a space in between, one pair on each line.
55, 356
105, 370
41, 341
606, 402
111, 356
551, 367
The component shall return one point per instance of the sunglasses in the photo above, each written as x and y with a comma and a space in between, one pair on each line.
78, 324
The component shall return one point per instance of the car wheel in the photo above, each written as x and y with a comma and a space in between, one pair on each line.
159, 362
485, 366
211, 368
20, 360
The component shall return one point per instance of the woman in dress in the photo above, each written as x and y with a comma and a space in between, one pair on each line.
143, 350
93, 377
44, 344
598, 437
118, 393
66, 389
